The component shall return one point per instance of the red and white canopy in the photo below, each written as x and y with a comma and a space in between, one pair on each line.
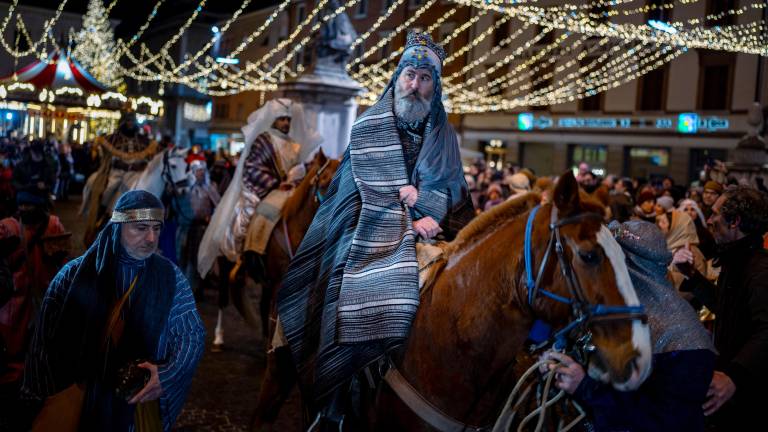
58, 71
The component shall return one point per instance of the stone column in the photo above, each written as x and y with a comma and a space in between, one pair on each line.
327, 92
329, 107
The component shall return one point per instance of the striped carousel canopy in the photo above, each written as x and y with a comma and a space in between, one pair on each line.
56, 72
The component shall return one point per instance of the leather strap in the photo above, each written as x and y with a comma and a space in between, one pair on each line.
422, 407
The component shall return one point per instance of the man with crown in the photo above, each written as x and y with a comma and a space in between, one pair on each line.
352, 290
125, 154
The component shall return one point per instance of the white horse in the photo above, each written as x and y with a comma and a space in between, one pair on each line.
169, 167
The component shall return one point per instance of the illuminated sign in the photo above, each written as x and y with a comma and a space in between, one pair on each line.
686, 123
525, 121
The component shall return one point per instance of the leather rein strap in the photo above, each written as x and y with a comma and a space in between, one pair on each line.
422, 407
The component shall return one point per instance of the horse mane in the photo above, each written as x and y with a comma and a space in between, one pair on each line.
297, 199
496, 216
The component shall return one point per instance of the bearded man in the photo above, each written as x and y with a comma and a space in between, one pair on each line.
352, 290
277, 142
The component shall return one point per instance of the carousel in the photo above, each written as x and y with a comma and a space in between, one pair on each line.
57, 96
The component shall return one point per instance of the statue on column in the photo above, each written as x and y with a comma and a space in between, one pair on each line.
334, 43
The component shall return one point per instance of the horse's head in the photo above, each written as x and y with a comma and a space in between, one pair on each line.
320, 171
584, 287
175, 171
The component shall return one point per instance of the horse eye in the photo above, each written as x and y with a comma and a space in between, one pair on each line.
589, 257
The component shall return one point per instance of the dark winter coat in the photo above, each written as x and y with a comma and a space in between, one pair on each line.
740, 304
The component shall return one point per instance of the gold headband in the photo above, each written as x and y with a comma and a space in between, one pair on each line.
138, 215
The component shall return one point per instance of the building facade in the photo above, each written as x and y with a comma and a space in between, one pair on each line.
669, 122
230, 112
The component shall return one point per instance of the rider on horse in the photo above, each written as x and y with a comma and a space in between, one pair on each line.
277, 143
352, 289
125, 154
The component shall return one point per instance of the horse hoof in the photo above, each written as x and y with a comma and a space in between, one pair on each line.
217, 348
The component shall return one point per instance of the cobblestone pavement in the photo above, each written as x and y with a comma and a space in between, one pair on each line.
226, 384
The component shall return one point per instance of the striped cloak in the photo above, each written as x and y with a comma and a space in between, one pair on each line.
351, 292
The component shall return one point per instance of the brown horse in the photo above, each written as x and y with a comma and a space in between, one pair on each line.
296, 215
475, 316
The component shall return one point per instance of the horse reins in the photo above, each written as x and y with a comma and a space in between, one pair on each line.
315, 181
318, 197
582, 309
166, 174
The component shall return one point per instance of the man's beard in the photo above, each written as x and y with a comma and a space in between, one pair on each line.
410, 107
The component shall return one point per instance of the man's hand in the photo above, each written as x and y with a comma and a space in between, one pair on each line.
568, 372
683, 260
409, 195
153, 390
720, 390
427, 227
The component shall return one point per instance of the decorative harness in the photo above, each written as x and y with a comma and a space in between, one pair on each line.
584, 312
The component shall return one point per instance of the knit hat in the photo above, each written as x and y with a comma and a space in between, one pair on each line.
666, 202
518, 183
646, 195
713, 186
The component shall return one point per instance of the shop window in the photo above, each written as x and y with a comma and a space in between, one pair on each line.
538, 157
495, 151
594, 155
647, 162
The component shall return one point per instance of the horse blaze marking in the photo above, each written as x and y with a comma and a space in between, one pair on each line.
641, 336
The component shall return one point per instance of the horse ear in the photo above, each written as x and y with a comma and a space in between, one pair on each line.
566, 195
602, 195
321, 157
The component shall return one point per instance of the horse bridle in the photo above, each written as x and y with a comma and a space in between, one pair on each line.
166, 174
319, 198
583, 311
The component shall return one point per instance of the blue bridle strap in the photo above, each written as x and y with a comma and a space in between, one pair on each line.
584, 312
529, 281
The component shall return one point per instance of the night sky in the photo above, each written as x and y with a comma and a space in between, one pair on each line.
132, 13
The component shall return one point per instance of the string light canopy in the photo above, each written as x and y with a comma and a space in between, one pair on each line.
555, 53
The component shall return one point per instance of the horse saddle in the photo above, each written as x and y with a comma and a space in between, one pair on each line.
431, 258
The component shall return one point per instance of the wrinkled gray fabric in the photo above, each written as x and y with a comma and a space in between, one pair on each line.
674, 324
